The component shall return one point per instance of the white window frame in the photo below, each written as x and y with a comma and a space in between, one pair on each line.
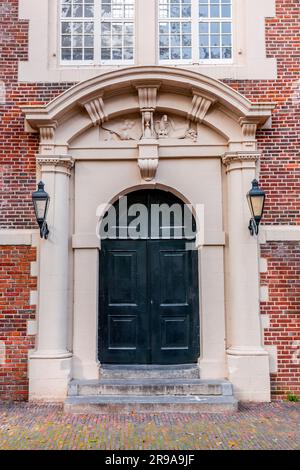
195, 20
96, 19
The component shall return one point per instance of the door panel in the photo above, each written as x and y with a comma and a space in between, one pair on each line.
174, 306
123, 322
148, 308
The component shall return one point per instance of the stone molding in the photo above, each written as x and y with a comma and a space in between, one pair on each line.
19, 237
55, 164
240, 160
279, 233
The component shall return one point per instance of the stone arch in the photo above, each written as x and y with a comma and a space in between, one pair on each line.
196, 213
195, 97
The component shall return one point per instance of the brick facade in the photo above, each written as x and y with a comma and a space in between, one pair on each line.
283, 308
280, 177
15, 311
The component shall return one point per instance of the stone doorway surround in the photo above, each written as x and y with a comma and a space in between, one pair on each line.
158, 127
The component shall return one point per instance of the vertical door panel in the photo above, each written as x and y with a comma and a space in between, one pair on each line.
123, 325
174, 302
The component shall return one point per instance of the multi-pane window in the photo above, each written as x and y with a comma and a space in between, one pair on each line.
175, 29
77, 30
215, 35
117, 30
97, 31
195, 30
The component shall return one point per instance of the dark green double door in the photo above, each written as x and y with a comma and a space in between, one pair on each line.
149, 309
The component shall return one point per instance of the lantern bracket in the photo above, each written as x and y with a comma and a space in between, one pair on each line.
253, 227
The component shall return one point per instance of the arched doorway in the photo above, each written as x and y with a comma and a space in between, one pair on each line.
149, 301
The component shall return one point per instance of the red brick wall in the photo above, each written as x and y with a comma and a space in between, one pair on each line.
16, 284
280, 165
283, 307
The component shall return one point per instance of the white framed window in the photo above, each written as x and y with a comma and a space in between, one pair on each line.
195, 31
96, 32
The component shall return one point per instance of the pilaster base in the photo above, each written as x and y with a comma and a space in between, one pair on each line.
212, 369
85, 370
250, 376
49, 378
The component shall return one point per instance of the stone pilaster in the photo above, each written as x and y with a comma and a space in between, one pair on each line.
50, 364
248, 362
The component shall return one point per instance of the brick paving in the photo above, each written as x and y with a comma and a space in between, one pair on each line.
255, 426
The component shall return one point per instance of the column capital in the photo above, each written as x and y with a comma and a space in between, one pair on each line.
55, 163
240, 160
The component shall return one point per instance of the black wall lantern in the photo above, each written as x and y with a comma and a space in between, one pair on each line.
41, 201
256, 200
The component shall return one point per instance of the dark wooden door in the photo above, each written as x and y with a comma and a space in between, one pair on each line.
172, 274
124, 319
149, 311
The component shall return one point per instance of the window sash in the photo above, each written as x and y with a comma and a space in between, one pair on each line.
196, 20
98, 19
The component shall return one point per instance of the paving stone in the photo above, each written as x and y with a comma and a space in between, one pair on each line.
46, 426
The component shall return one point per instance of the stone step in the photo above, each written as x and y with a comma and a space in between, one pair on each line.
108, 404
186, 371
145, 387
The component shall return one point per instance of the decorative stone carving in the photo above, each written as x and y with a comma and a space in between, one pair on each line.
166, 128
151, 126
147, 125
163, 127
199, 108
96, 110
147, 101
148, 168
148, 159
191, 134
128, 129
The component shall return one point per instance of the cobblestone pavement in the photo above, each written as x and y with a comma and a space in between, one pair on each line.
262, 426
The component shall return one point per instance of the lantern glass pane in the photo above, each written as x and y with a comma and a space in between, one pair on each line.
257, 203
40, 206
